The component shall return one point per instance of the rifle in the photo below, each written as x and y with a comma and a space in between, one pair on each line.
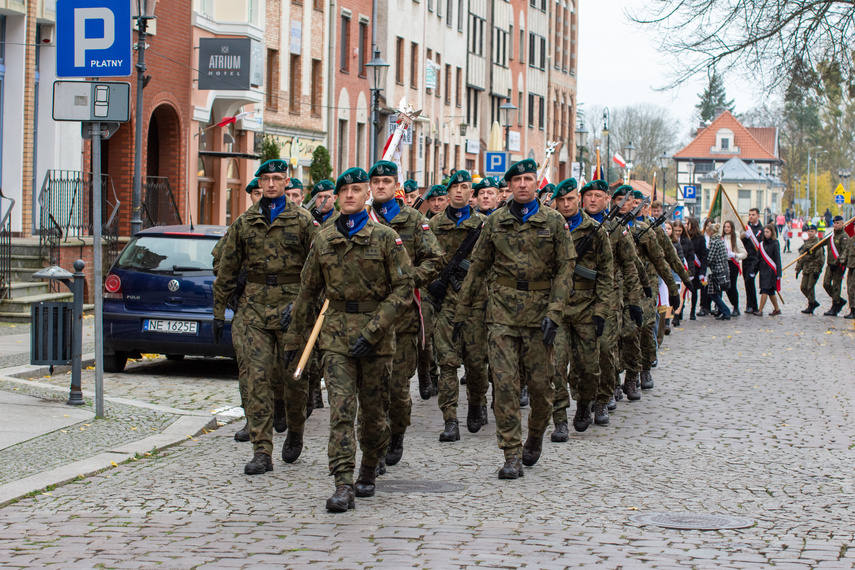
458, 261
421, 199
316, 212
653, 225
588, 239
631, 215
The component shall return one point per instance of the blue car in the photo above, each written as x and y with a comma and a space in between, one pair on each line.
159, 298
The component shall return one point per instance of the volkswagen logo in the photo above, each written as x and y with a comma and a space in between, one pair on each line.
173, 285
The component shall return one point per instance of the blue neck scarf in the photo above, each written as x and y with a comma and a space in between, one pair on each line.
389, 209
328, 214
599, 217
530, 209
277, 206
630, 223
487, 212
458, 215
574, 221
640, 218
355, 222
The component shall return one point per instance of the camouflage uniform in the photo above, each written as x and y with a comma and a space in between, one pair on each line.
577, 341
368, 280
667, 247
527, 268
273, 253
811, 267
473, 351
850, 280
424, 252
832, 282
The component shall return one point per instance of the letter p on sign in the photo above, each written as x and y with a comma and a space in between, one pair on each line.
93, 38
92, 20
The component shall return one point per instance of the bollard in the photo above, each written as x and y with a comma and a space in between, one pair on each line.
75, 395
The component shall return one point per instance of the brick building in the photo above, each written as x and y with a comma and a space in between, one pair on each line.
561, 101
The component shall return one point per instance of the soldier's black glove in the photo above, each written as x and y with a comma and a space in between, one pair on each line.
285, 320
636, 313
648, 292
600, 323
550, 329
290, 355
438, 290
218, 327
361, 347
455, 331
674, 300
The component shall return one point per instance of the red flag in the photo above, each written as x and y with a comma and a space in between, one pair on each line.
230, 120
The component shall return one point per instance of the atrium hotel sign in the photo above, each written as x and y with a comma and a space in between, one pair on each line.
230, 64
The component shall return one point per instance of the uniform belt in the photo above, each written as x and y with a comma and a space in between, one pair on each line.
354, 306
584, 285
273, 279
524, 285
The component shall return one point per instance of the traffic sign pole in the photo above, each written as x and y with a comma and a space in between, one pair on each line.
95, 133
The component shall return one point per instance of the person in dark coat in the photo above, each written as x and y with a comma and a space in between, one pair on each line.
699, 261
768, 276
718, 280
689, 257
751, 263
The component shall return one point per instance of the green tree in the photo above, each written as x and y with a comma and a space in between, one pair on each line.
714, 96
269, 148
321, 168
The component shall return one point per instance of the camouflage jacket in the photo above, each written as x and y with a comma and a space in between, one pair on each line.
424, 252
671, 256
266, 248
651, 254
841, 243
627, 282
449, 236
813, 262
537, 252
591, 297
371, 268
331, 220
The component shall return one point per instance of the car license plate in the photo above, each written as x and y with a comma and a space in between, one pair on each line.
177, 327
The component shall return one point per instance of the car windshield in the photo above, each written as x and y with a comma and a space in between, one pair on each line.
168, 253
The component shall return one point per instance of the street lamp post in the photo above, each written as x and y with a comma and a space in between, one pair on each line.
607, 140
143, 12
507, 112
691, 167
378, 69
629, 150
663, 166
797, 191
816, 180
581, 142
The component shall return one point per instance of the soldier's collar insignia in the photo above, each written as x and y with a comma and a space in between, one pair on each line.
349, 223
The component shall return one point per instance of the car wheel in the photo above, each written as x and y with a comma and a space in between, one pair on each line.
174, 357
115, 362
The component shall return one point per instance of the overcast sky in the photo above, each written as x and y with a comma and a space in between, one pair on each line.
619, 65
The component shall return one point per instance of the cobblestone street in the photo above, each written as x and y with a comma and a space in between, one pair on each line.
749, 418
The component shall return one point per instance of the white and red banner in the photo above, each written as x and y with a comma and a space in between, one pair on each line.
618, 159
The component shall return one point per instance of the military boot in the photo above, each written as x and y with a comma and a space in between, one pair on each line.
561, 433
243, 433
484, 420
434, 385
474, 418
463, 379
618, 392
381, 467
532, 450
630, 386
260, 463
280, 420
318, 399
835, 308
582, 419
612, 405
646, 380
293, 446
601, 414
524, 397
396, 449
365, 483
452, 431
424, 381
512, 469
851, 314
310, 406
342, 499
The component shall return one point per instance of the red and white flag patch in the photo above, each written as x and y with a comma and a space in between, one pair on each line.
425, 227
398, 241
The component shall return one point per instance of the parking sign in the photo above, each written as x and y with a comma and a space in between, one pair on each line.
496, 163
93, 38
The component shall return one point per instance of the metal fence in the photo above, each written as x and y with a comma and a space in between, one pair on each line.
6, 206
157, 203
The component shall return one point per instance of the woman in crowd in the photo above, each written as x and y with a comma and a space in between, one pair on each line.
699, 245
735, 254
675, 241
718, 279
689, 257
769, 276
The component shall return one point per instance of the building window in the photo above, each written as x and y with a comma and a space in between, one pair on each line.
345, 43
430, 5
743, 201
414, 65
460, 14
449, 8
532, 49
471, 107
273, 79
541, 114
543, 53
428, 56
520, 108
531, 97
399, 61
317, 86
363, 47
439, 8
447, 84
511, 43
760, 203
459, 93
725, 144
342, 145
319, 5
438, 75
360, 145
522, 46
294, 84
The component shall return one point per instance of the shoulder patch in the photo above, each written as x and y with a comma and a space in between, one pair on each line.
425, 226
566, 226
398, 241
315, 222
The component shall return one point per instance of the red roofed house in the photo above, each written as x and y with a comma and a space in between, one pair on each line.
723, 139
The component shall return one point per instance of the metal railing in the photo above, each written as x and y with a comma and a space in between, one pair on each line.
65, 202
158, 205
6, 247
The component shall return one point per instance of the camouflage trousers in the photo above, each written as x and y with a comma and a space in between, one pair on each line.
635, 342
850, 289
353, 385
577, 365
832, 282
313, 374
266, 380
506, 346
399, 404
608, 360
808, 286
238, 336
648, 336
472, 345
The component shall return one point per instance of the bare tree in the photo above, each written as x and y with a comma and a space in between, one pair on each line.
651, 129
775, 42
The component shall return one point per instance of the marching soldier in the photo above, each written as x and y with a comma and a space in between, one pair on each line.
451, 227
504, 191
588, 305
272, 239
546, 193
656, 209
425, 254
364, 271
411, 192
832, 282
486, 193
436, 200
325, 200
811, 267
295, 191
526, 257
850, 280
